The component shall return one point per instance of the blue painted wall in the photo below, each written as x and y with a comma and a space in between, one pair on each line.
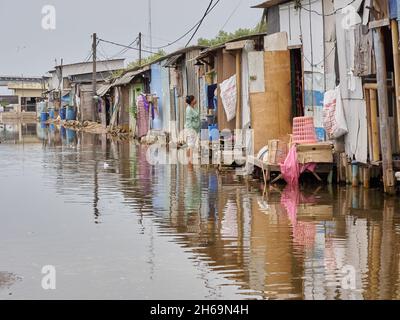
156, 88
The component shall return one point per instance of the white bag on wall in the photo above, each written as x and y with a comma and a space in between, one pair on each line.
229, 97
334, 120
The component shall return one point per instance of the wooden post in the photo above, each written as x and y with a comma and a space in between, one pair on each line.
395, 44
354, 174
348, 172
369, 128
361, 174
374, 125
367, 177
343, 166
386, 146
238, 88
94, 77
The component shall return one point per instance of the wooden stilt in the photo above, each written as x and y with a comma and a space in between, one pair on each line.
386, 145
369, 128
348, 173
367, 176
354, 171
361, 174
343, 165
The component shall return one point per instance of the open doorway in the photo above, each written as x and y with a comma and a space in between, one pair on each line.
296, 71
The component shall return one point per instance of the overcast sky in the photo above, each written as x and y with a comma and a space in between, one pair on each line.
27, 49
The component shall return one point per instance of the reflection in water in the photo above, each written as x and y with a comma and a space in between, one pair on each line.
291, 243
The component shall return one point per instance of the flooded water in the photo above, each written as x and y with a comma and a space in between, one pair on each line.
115, 227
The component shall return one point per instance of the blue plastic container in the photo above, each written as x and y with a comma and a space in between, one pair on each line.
213, 132
63, 113
44, 116
70, 115
51, 113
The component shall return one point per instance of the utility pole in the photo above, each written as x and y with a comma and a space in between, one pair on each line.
94, 77
140, 49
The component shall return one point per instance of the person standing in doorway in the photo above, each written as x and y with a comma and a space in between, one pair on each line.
192, 126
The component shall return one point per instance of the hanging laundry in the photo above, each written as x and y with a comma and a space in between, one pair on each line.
210, 96
142, 116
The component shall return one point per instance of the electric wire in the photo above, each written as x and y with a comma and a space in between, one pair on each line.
125, 46
201, 21
188, 32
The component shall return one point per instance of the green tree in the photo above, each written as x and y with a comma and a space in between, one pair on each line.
147, 60
224, 36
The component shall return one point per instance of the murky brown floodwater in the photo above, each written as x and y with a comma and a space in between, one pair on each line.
134, 231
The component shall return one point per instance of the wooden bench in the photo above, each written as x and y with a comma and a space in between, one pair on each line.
319, 153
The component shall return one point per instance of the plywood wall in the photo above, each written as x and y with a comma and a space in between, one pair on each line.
124, 110
271, 111
226, 68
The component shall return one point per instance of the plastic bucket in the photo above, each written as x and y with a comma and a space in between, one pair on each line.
70, 114
213, 132
44, 116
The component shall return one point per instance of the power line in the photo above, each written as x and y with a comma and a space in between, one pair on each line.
161, 39
299, 5
190, 30
231, 15
201, 21
126, 49
124, 46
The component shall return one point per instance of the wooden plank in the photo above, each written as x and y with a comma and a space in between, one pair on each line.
235, 45
374, 126
238, 88
369, 128
276, 42
379, 23
271, 113
226, 67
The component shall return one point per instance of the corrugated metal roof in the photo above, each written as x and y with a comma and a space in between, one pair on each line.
103, 89
173, 60
270, 3
128, 76
169, 55
208, 51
